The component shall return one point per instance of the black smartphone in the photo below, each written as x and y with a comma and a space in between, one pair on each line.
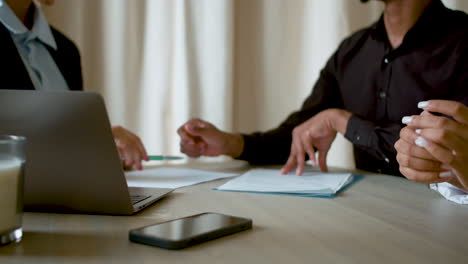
187, 231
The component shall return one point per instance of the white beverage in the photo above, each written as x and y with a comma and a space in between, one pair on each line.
10, 211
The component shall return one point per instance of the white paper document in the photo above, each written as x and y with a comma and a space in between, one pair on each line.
172, 177
272, 181
450, 192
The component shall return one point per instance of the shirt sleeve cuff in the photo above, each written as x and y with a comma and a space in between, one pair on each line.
359, 132
249, 148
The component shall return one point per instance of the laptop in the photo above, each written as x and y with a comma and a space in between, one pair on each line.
72, 162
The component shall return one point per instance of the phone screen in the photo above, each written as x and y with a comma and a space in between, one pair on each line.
191, 226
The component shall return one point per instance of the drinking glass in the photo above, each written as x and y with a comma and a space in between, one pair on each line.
12, 161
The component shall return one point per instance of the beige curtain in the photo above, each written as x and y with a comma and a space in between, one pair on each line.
243, 65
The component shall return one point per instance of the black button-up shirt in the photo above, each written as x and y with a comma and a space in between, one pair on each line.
379, 86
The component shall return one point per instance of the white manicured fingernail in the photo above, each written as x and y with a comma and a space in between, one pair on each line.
406, 119
445, 167
418, 131
445, 174
420, 141
423, 104
313, 163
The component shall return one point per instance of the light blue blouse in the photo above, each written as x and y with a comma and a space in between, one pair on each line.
31, 45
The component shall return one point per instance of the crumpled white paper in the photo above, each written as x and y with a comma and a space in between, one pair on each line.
450, 192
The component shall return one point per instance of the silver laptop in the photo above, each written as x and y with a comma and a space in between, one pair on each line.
72, 161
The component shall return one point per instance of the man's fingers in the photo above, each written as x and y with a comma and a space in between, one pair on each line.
186, 137
191, 153
309, 148
193, 150
423, 176
300, 158
450, 108
307, 143
290, 164
323, 160
199, 123
197, 126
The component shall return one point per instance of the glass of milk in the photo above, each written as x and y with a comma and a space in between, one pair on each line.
12, 160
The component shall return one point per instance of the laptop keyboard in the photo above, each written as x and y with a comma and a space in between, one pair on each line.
139, 198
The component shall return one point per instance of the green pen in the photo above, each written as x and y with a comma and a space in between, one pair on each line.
161, 157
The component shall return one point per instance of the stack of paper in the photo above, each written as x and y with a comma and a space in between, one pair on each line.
172, 177
310, 184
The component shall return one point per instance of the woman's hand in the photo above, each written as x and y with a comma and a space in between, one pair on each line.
434, 148
130, 147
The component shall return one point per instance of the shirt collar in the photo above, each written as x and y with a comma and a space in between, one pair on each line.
377, 30
424, 28
429, 25
40, 30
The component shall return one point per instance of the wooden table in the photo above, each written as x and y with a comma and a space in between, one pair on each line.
380, 219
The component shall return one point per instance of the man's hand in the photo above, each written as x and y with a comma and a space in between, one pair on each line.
130, 147
435, 148
318, 132
200, 138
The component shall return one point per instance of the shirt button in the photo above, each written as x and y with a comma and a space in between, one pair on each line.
382, 95
385, 61
387, 160
358, 138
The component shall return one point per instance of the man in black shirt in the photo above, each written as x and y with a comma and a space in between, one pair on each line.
417, 51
